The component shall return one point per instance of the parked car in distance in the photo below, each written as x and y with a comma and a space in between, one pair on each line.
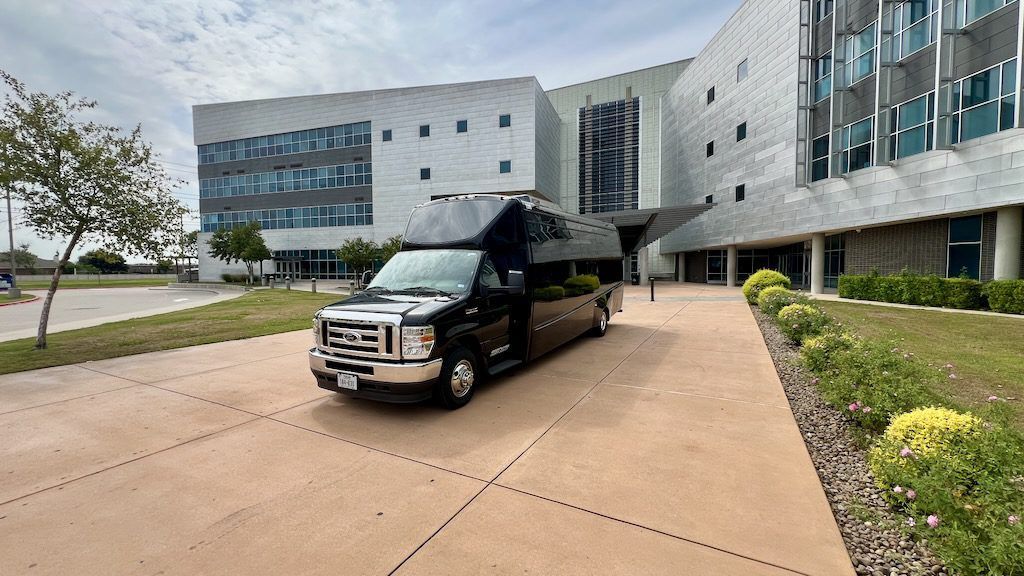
5, 281
482, 283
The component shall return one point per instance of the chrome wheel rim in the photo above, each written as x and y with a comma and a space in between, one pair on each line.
462, 378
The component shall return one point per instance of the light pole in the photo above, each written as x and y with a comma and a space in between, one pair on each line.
13, 291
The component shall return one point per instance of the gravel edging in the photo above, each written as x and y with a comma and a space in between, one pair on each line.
870, 529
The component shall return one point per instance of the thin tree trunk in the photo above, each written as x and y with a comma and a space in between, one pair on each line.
44, 316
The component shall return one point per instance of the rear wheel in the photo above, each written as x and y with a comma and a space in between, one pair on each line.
602, 325
459, 375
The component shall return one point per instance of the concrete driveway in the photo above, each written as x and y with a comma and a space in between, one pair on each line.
667, 447
83, 307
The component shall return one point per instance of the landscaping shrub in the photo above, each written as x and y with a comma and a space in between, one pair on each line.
963, 293
1005, 296
871, 380
775, 298
763, 279
235, 278
958, 481
798, 321
908, 288
581, 284
549, 293
819, 352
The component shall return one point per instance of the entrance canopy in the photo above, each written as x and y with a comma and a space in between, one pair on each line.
638, 228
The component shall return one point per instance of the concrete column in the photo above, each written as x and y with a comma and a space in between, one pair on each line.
730, 265
641, 265
1008, 235
681, 263
818, 263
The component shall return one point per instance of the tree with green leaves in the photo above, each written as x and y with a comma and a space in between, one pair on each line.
240, 244
81, 181
359, 255
105, 261
23, 259
164, 266
390, 247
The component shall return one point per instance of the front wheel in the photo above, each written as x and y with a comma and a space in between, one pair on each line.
455, 386
602, 325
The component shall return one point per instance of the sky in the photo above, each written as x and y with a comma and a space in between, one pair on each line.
149, 62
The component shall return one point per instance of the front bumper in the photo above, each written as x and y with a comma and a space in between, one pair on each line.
390, 382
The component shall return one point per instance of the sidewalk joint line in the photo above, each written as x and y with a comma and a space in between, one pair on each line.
131, 385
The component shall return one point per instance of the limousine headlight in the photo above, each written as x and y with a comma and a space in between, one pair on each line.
316, 330
417, 341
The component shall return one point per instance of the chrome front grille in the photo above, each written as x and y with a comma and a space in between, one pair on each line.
360, 338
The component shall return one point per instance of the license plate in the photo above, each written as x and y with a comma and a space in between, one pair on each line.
348, 381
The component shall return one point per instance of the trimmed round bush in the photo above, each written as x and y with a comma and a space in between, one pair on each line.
929, 433
581, 284
798, 321
549, 293
775, 298
762, 279
819, 352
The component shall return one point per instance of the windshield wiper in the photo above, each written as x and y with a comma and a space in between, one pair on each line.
384, 289
418, 289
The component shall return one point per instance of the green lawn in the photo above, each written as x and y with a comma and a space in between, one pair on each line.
5, 299
254, 314
70, 282
986, 351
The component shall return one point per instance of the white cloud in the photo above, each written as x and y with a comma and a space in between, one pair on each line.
148, 62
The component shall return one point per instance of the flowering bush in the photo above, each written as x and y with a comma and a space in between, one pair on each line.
819, 351
798, 321
960, 483
775, 298
763, 279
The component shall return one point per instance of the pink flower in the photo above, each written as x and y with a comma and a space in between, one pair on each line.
854, 407
948, 366
906, 452
895, 350
815, 381
933, 521
866, 409
911, 522
993, 398
911, 494
907, 356
898, 489
952, 376
1013, 519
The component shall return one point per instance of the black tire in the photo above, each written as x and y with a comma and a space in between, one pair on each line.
451, 390
602, 326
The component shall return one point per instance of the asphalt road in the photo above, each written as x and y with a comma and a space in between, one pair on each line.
80, 308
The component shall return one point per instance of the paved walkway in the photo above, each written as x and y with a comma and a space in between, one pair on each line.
667, 447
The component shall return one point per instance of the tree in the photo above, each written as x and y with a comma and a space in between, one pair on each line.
163, 266
359, 255
82, 181
389, 248
24, 259
241, 243
105, 261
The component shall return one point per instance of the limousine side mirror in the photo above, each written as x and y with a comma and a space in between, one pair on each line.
516, 283
367, 277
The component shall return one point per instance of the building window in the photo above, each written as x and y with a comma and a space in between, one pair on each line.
822, 8
835, 260
341, 136
424, 173
710, 149
504, 121
912, 125
504, 167
968, 11
386, 135
964, 247
823, 77
609, 156
750, 261
360, 214
914, 25
741, 71
424, 130
856, 146
860, 55
717, 266
322, 264
709, 199
321, 178
741, 132
819, 158
984, 103
462, 126
741, 192
711, 95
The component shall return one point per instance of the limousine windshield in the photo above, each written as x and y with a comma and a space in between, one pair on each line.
448, 271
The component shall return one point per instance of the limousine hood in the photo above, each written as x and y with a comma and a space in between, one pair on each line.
400, 304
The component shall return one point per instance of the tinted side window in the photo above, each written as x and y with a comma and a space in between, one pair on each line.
489, 274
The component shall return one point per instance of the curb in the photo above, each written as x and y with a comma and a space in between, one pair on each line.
32, 299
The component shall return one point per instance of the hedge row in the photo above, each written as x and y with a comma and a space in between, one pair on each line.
931, 290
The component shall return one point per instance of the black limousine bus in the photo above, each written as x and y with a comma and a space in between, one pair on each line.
482, 283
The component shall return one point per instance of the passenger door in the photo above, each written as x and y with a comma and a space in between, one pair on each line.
491, 310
